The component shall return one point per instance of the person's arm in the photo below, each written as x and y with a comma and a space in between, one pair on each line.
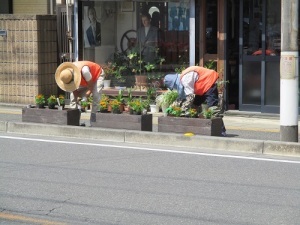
88, 78
90, 88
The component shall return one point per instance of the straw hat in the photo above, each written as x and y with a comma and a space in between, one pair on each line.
68, 77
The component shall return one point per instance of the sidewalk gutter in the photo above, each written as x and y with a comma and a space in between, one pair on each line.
164, 139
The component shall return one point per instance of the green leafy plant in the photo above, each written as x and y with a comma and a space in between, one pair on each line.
115, 104
169, 97
120, 96
103, 104
208, 114
40, 99
61, 99
137, 105
179, 69
129, 96
149, 67
51, 99
174, 111
211, 64
151, 95
84, 103
193, 113
90, 99
136, 62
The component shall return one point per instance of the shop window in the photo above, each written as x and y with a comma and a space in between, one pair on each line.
211, 27
120, 27
252, 27
98, 30
273, 28
171, 24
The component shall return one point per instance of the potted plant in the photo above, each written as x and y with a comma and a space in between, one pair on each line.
108, 70
193, 113
174, 111
151, 96
128, 99
166, 99
40, 101
84, 104
115, 106
136, 106
208, 113
136, 64
103, 105
51, 101
117, 68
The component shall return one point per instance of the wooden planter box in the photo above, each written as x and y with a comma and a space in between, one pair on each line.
52, 116
122, 121
210, 127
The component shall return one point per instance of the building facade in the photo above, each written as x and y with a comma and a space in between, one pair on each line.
239, 38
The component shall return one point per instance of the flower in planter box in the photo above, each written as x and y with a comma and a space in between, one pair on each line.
136, 105
84, 104
208, 114
61, 99
115, 104
51, 101
103, 104
174, 111
193, 113
40, 101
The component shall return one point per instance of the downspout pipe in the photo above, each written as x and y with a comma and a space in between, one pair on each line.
192, 33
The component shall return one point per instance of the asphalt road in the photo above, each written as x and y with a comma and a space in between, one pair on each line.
47, 180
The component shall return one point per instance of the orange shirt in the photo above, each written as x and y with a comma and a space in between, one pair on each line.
207, 78
95, 70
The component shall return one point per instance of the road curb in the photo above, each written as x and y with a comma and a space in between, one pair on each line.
155, 138
281, 148
3, 126
196, 141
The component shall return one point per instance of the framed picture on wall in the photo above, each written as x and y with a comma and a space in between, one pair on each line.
127, 7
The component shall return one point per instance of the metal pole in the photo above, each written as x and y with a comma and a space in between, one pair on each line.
192, 33
69, 34
289, 71
76, 29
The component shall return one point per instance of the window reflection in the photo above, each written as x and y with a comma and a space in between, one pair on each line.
252, 27
273, 27
211, 27
158, 29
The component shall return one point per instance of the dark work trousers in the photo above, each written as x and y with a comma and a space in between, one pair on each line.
211, 98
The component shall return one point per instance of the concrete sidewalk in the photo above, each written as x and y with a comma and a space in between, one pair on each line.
246, 131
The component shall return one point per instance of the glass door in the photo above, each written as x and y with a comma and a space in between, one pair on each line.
251, 25
260, 54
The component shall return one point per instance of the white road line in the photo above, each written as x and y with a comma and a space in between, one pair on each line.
153, 149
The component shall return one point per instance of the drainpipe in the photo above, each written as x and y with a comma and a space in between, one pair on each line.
69, 32
289, 72
76, 29
192, 33
51, 7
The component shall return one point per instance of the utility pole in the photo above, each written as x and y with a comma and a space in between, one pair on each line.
289, 71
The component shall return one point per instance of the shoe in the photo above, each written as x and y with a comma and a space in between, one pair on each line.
82, 124
223, 134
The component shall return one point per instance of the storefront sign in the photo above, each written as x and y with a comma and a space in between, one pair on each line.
287, 66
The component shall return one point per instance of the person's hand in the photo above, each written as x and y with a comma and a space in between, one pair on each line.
177, 103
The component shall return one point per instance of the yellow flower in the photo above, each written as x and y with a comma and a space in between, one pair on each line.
115, 104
